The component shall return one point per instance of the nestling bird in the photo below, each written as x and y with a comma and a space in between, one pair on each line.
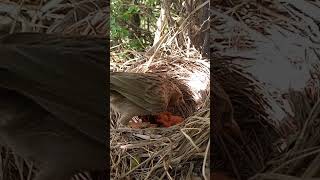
52, 102
138, 94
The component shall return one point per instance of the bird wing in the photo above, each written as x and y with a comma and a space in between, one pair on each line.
65, 75
146, 93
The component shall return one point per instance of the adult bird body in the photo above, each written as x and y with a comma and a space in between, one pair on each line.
137, 94
52, 108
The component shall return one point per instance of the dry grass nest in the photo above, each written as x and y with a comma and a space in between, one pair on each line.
86, 17
180, 151
176, 152
242, 158
240, 32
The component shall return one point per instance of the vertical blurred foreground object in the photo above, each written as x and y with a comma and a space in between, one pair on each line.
53, 102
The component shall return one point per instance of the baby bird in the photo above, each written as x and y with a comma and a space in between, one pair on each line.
138, 94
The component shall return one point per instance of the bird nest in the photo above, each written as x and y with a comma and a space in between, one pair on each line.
240, 32
181, 150
87, 17
175, 152
300, 156
243, 157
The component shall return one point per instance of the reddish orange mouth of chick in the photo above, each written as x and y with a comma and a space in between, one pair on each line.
164, 119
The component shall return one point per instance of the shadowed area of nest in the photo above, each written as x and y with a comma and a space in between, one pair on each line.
224, 121
236, 96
